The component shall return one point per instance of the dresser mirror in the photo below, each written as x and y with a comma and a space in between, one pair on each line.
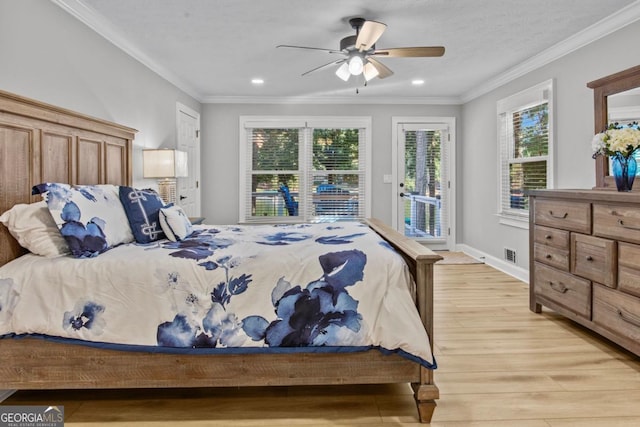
616, 98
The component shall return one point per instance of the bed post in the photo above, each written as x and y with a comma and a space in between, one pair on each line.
420, 260
425, 392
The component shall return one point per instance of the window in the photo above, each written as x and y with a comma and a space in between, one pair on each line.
525, 123
304, 169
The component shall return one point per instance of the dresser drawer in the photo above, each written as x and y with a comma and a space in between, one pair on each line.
617, 312
572, 293
594, 258
574, 216
617, 222
551, 237
551, 246
629, 268
555, 257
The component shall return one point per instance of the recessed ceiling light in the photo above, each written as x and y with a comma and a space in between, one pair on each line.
257, 81
417, 82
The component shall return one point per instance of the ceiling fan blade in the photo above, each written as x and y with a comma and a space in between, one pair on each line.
339, 61
310, 48
383, 70
369, 34
411, 52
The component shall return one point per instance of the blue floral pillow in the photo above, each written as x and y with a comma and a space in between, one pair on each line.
90, 217
175, 223
142, 208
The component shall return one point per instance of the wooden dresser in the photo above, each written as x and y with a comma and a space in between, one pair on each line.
585, 260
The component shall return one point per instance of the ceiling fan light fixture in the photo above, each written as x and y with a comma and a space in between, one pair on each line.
359, 52
343, 72
370, 71
356, 64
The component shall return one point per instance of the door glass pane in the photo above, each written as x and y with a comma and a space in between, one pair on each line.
422, 186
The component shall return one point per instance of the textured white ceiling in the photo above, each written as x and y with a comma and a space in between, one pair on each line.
213, 48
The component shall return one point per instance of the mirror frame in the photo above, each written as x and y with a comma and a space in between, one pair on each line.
602, 88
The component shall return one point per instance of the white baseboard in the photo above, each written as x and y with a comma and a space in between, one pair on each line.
4, 394
497, 263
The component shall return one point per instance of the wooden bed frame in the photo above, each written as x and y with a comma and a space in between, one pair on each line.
44, 143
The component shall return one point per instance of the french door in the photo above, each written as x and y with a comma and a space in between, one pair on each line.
423, 182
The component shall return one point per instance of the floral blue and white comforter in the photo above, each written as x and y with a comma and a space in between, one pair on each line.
313, 287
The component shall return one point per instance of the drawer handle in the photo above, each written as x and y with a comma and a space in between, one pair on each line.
548, 236
548, 256
629, 318
630, 227
589, 258
558, 287
563, 216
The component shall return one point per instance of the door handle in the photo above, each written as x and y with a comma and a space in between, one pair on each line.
183, 197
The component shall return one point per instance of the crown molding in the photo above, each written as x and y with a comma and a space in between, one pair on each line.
330, 100
100, 25
600, 29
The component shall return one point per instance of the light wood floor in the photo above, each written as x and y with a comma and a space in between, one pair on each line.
499, 365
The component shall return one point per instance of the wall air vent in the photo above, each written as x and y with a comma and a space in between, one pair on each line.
510, 255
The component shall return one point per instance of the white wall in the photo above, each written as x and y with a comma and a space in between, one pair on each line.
478, 225
48, 55
220, 124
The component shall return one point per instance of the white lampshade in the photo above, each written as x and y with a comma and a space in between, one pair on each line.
355, 65
164, 163
370, 71
343, 72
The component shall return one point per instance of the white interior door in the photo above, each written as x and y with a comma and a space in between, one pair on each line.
423, 202
188, 125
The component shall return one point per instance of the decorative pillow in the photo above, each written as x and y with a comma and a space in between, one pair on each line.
143, 208
33, 227
175, 223
90, 217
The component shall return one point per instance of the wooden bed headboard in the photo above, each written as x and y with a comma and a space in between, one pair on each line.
43, 143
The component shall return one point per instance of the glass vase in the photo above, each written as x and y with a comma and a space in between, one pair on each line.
624, 171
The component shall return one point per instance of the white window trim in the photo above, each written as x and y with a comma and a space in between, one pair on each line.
336, 122
535, 95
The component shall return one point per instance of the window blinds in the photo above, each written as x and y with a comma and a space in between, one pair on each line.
274, 172
336, 170
312, 173
525, 142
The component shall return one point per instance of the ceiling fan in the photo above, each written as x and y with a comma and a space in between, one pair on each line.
359, 51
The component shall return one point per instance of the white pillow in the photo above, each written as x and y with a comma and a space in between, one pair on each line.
91, 218
34, 228
175, 223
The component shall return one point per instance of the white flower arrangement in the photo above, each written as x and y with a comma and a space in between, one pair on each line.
617, 140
